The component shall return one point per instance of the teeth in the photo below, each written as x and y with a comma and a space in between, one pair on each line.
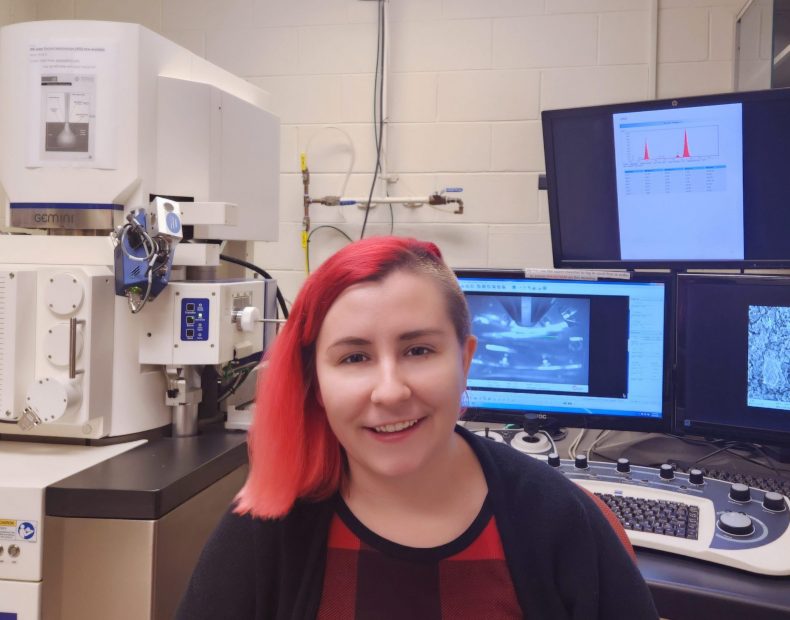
394, 428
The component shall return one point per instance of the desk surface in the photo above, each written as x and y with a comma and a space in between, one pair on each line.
152, 479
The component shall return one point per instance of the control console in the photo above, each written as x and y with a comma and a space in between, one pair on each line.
688, 514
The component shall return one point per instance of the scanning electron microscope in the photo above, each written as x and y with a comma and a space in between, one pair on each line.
125, 162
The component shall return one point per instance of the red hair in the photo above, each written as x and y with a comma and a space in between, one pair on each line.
293, 452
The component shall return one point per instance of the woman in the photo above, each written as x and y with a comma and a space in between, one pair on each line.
366, 500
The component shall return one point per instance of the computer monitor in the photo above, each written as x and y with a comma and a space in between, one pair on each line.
580, 353
675, 183
733, 357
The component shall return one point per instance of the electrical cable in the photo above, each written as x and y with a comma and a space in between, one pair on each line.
307, 248
262, 272
600, 437
550, 438
378, 87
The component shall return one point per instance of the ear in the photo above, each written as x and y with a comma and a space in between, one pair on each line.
469, 348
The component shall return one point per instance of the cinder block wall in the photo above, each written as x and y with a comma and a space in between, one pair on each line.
468, 79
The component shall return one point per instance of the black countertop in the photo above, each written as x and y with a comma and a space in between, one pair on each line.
149, 481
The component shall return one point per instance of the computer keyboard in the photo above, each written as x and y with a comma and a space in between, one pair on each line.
728, 521
656, 516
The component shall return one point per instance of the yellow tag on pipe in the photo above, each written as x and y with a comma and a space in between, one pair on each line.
303, 161
304, 239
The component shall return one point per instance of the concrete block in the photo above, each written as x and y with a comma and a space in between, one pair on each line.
574, 87
517, 146
253, 52
488, 95
624, 38
447, 45
545, 41
519, 246
683, 35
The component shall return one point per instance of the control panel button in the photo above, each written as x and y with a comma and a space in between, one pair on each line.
666, 471
623, 465
739, 492
696, 477
736, 523
14, 551
580, 461
554, 459
774, 501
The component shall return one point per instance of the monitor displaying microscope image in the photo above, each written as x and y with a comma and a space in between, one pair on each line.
768, 368
733, 357
531, 342
588, 353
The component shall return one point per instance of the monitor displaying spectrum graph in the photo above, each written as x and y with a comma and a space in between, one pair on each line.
683, 183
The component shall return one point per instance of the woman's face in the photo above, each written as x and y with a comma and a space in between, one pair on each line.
391, 373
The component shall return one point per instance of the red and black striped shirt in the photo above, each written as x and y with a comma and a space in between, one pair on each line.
370, 577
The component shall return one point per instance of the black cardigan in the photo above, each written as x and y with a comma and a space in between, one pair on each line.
564, 558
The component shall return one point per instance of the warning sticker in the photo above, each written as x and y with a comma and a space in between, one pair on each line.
14, 529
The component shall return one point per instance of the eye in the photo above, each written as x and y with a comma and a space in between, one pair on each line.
354, 358
418, 351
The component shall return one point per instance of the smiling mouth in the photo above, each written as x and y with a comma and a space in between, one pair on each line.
397, 427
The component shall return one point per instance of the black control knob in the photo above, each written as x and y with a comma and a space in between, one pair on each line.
581, 461
696, 477
554, 459
666, 471
623, 465
736, 523
774, 501
739, 492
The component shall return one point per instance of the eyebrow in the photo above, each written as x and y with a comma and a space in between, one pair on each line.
406, 336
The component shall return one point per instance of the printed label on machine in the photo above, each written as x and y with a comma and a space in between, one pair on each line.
18, 529
65, 126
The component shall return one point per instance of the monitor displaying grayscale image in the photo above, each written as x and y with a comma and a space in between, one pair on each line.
586, 353
769, 357
733, 357
531, 342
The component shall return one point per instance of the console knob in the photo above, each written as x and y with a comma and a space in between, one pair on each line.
554, 459
581, 461
736, 523
740, 492
666, 471
696, 477
774, 501
623, 465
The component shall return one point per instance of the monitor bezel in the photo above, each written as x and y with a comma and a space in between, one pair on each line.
552, 420
549, 116
706, 429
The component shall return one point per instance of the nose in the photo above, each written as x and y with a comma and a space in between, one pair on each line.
391, 387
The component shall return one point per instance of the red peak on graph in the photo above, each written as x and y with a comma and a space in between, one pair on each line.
686, 152
647, 154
